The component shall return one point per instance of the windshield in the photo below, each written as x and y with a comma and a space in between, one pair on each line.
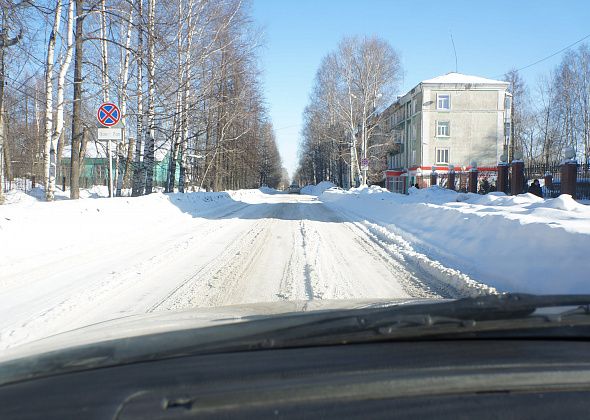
158, 157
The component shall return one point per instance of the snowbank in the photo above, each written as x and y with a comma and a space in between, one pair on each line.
317, 189
58, 227
513, 243
268, 190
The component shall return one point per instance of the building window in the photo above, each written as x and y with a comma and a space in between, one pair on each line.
443, 101
507, 103
443, 129
442, 156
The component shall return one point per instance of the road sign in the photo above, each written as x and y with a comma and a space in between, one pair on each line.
110, 134
364, 164
108, 114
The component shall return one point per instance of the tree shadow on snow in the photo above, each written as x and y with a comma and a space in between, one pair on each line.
279, 206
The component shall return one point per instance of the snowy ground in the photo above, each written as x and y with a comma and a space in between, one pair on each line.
513, 243
72, 263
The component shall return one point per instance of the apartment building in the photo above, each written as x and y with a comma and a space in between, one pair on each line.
454, 119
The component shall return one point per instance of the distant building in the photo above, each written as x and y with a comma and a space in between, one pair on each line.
453, 119
95, 165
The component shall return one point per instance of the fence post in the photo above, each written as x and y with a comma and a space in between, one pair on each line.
433, 177
548, 180
569, 172
451, 179
63, 183
33, 181
473, 173
502, 182
517, 185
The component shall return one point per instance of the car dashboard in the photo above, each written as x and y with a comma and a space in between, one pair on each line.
445, 379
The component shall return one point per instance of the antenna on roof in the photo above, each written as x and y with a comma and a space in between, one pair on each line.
453, 42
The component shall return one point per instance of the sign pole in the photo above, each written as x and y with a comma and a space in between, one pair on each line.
118, 163
108, 115
111, 195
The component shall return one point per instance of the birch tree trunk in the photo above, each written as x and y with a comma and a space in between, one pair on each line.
186, 100
124, 80
104, 52
138, 167
5, 42
59, 112
149, 138
49, 152
176, 124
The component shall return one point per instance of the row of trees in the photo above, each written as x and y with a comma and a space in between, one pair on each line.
554, 114
183, 72
352, 85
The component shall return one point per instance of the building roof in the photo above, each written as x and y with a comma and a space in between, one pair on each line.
98, 150
94, 150
459, 78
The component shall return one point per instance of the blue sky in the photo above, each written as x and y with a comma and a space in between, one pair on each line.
491, 37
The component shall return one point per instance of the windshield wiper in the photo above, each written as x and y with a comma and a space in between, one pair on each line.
451, 318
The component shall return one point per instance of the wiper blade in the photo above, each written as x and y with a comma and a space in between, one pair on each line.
413, 321
503, 306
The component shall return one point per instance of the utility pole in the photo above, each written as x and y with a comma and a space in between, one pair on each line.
77, 126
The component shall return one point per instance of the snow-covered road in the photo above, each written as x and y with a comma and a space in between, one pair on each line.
111, 263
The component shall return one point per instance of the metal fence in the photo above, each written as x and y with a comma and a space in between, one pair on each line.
486, 181
552, 172
25, 176
548, 175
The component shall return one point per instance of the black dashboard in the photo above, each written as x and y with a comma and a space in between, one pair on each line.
440, 379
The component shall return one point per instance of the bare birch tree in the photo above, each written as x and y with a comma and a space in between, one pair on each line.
352, 86
53, 131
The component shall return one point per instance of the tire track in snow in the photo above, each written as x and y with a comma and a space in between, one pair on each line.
309, 275
211, 285
428, 277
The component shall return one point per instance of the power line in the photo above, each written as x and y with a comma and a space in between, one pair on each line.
552, 55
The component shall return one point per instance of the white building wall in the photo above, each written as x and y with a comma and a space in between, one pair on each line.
476, 125
427, 138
